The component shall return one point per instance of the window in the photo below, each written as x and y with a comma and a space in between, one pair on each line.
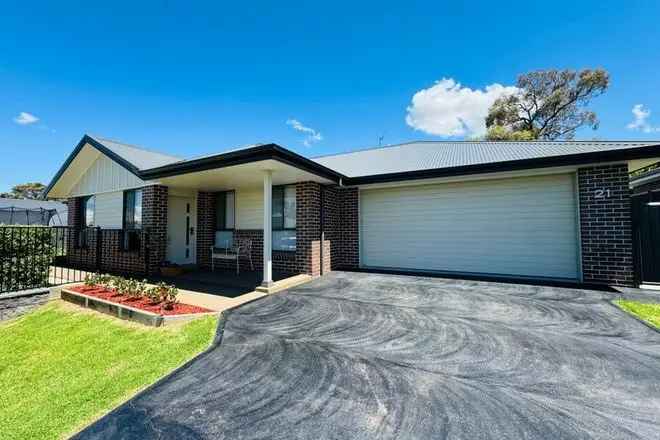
133, 209
284, 218
87, 205
87, 214
132, 220
224, 219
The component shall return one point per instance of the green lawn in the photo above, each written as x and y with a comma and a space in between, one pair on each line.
648, 312
62, 367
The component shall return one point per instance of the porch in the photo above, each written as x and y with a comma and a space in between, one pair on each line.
221, 282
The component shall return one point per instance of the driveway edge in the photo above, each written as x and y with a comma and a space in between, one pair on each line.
625, 312
217, 339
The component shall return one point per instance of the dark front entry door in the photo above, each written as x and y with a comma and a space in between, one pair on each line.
646, 215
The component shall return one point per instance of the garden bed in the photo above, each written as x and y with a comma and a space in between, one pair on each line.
142, 303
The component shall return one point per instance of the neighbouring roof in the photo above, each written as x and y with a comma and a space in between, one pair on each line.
431, 155
140, 158
32, 204
32, 212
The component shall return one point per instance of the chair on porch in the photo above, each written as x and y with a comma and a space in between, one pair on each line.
242, 248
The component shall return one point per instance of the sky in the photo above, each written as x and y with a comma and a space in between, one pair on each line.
193, 78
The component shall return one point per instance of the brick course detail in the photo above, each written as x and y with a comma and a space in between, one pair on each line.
349, 247
154, 220
605, 225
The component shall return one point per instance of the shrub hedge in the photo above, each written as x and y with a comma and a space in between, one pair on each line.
26, 253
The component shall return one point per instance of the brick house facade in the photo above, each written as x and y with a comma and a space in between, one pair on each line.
605, 231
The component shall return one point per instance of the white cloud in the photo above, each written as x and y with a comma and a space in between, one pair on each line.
641, 120
449, 109
25, 118
312, 135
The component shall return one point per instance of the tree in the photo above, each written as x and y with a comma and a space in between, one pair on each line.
30, 190
549, 105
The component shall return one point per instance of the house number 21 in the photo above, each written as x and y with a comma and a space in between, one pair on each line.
602, 193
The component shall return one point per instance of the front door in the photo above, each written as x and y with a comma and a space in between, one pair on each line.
181, 222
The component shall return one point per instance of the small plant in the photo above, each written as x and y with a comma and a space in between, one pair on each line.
91, 281
132, 289
153, 293
119, 286
104, 281
168, 297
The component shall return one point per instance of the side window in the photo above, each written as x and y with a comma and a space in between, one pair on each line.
87, 208
87, 216
132, 236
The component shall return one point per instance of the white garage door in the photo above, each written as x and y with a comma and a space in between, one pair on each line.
522, 226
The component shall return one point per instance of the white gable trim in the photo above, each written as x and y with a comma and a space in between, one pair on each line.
104, 175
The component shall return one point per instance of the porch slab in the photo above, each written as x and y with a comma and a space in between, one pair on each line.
221, 282
216, 302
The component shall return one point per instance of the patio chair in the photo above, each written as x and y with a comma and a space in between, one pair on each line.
242, 248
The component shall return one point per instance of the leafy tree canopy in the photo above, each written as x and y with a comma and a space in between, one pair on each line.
30, 190
549, 105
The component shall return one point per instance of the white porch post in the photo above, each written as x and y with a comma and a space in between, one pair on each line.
268, 229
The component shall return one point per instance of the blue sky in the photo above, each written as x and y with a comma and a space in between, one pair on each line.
195, 79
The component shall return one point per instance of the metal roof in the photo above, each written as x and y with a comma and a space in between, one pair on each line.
428, 155
139, 157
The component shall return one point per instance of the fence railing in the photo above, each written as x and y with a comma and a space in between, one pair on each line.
35, 256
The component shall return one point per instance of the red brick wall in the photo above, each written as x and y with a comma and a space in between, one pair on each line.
154, 221
349, 250
331, 227
605, 225
308, 221
103, 251
112, 257
205, 227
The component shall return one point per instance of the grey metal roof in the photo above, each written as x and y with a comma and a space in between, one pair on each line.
427, 155
140, 157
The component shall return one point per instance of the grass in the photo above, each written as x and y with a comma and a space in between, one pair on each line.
645, 311
62, 367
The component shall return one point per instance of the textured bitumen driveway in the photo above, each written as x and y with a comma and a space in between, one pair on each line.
357, 356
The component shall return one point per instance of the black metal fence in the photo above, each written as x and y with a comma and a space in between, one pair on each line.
34, 256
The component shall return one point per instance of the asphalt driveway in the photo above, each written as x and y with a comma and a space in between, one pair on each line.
357, 356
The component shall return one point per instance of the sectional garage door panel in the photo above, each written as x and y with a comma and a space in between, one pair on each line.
522, 226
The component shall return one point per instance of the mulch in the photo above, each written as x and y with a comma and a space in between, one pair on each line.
138, 303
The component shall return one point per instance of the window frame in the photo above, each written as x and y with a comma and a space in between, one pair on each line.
83, 212
82, 239
283, 203
124, 222
217, 194
283, 228
131, 237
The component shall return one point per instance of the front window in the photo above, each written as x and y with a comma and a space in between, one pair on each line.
224, 219
132, 220
284, 218
87, 206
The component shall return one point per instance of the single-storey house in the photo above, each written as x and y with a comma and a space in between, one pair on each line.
529, 210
